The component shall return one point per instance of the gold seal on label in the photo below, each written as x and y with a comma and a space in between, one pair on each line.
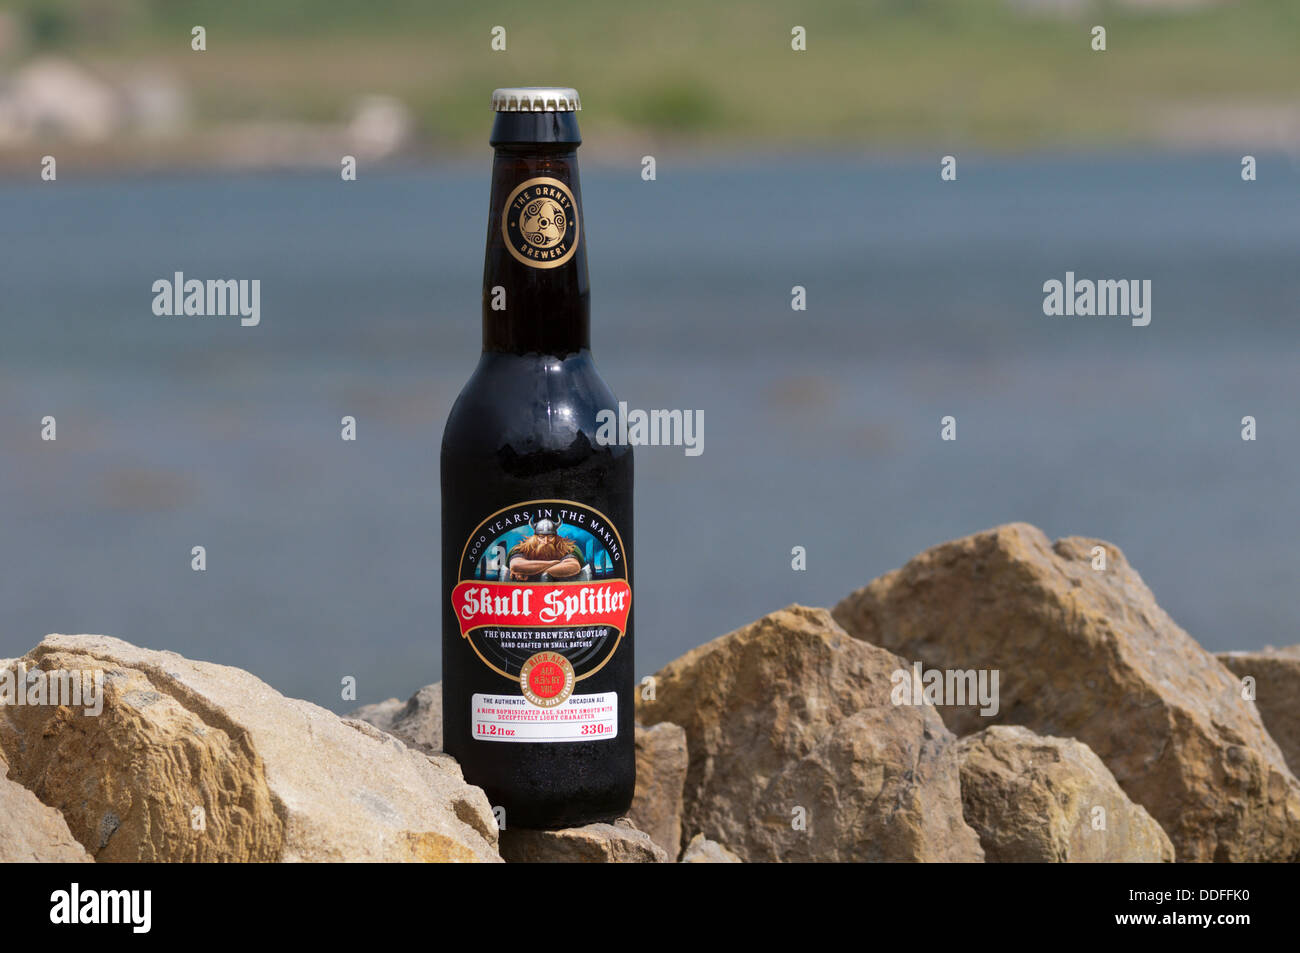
540, 223
547, 679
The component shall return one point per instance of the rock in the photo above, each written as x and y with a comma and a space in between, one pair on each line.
617, 843
1277, 694
379, 714
661, 759
418, 721
201, 762
701, 850
30, 831
661, 764
1034, 799
798, 754
1089, 654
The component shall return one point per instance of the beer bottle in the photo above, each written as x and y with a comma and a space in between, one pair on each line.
536, 512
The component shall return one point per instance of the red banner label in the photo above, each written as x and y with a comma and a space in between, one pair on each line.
541, 605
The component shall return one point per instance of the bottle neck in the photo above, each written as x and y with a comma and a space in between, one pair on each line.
535, 293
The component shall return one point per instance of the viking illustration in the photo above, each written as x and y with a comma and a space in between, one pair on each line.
545, 556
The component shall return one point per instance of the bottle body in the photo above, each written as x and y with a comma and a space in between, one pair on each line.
537, 521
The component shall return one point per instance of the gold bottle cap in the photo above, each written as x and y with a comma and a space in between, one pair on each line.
535, 99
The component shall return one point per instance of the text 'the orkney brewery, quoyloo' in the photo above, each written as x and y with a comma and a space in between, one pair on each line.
536, 514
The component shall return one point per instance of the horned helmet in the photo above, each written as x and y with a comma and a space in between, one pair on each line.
545, 527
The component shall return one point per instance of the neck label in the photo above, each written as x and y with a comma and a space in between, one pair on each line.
540, 223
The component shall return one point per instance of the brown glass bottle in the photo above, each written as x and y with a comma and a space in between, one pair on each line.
536, 512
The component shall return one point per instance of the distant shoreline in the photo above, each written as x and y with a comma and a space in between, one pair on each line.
187, 159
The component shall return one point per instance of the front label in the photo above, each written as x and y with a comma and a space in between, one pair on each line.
512, 718
540, 223
543, 600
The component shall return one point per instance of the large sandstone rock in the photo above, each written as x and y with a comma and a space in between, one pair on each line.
195, 761
701, 850
1277, 694
661, 764
617, 843
1033, 798
417, 721
1089, 654
789, 719
31, 831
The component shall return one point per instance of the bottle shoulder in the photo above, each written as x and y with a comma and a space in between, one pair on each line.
530, 403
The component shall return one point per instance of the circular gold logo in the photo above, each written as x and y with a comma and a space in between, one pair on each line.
547, 679
540, 223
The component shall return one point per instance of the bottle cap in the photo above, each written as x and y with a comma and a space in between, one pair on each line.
535, 99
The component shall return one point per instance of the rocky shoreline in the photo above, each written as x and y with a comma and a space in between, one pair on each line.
1000, 698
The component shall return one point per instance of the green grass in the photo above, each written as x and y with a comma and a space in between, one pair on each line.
891, 72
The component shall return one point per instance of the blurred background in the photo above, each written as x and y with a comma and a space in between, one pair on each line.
774, 168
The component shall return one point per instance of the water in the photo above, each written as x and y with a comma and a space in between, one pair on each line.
821, 428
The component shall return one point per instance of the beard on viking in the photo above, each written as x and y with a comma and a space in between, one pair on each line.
549, 553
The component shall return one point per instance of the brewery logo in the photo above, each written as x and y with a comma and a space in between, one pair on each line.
542, 595
540, 223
